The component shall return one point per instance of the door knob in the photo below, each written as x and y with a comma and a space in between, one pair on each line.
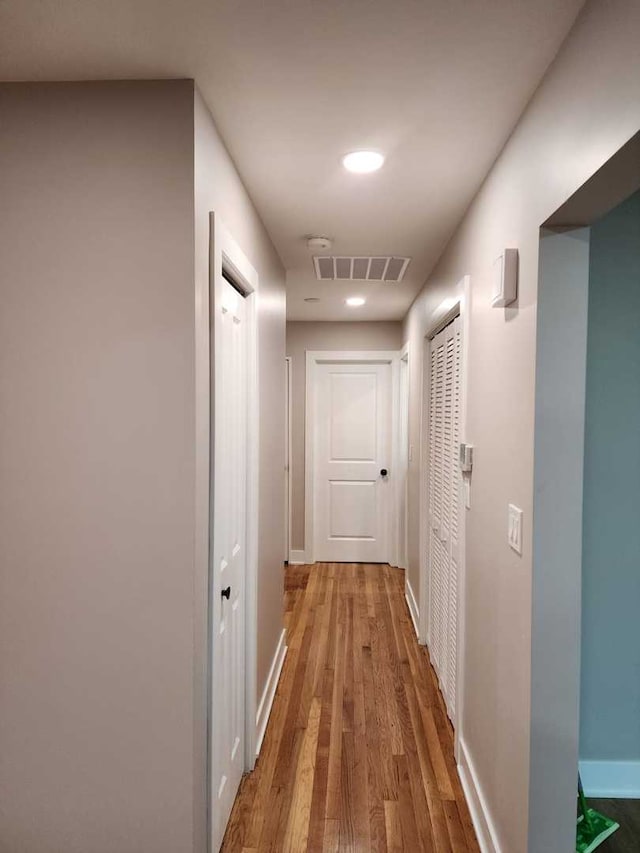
383, 472
226, 593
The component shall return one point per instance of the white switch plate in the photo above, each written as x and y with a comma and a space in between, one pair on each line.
466, 487
514, 533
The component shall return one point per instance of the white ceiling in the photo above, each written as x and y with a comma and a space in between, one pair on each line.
294, 84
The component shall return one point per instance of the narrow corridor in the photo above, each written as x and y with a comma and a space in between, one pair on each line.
358, 754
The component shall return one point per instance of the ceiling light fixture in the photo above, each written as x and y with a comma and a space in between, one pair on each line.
363, 162
355, 301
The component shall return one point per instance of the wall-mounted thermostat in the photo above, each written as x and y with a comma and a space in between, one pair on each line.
505, 279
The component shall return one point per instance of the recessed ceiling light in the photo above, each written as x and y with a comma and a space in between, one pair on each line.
355, 301
312, 299
363, 161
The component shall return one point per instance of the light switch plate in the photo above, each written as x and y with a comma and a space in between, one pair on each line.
514, 533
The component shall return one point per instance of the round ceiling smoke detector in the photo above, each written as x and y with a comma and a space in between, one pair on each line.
312, 299
318, 244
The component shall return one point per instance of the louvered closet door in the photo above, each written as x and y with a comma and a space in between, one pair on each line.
444, 506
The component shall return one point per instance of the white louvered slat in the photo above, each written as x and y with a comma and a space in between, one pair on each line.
432, 441
444, 506
434, 513
436, 599
437, 554
447, 497
456, 509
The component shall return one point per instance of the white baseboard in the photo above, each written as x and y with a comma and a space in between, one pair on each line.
482, 823
269, 692
615, 779
413, 605
297, 558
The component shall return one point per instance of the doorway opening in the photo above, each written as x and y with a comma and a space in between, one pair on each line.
609, 741
586, 470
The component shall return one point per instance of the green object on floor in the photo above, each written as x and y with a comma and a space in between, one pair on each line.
593, 828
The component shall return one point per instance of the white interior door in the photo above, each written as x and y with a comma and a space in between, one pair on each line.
229, 554
444, 506
352, 497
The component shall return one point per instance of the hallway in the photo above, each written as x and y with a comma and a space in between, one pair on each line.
358, 754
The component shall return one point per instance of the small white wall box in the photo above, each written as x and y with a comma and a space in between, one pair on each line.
466, 458
505, 279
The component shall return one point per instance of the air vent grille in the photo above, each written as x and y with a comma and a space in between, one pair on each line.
333, 268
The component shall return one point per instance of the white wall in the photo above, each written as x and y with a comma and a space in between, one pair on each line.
97, 468
303, 336
587, 107
104, 394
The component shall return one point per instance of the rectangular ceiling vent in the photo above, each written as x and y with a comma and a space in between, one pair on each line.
333, 268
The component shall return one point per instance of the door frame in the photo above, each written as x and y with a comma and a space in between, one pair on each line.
403, 460
225, 253
313, 359
444, 314
288, 453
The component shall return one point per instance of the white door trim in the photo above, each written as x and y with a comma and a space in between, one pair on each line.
226, 254
465, 318
402, 483
314, 358
443, 315
288, 454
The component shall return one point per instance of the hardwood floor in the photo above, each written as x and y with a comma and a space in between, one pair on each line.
627, 814
358, 754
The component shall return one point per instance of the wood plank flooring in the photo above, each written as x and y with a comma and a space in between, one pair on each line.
627, 813
358, 754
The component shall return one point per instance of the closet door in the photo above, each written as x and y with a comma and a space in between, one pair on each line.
437, 552
454, 356
444, 506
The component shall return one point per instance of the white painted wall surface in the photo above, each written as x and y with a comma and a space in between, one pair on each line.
97, 468
586, 108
